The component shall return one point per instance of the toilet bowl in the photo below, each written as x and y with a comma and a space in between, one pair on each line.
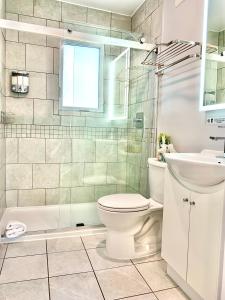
134, 223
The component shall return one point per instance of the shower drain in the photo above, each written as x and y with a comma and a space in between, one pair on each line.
79, 224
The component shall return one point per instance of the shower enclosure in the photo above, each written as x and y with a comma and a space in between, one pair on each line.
60, 158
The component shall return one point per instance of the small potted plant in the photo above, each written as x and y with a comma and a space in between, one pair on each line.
165, 146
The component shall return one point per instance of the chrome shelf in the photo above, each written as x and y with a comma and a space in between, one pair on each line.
166, 55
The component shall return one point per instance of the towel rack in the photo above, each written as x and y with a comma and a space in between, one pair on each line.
166, 55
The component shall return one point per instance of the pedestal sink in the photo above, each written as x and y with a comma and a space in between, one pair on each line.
202, 169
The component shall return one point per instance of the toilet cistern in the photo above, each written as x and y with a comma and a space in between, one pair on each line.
217, 138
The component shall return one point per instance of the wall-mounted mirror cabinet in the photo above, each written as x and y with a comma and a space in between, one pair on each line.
213, 57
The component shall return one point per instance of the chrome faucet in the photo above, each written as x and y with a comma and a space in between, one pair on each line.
218, 138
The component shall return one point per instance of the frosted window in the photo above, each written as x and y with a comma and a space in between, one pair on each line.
81, 77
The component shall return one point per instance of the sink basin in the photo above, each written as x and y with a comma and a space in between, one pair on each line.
201, 169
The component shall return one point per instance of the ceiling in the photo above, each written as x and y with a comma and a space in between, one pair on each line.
216, 20
124, 7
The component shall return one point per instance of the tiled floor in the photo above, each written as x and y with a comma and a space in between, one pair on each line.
77, 269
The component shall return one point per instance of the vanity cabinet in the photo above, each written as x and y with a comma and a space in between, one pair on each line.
192, 236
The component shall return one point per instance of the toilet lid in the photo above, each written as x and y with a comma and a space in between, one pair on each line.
124, 202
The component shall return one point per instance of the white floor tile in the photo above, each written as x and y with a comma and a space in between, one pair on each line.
24, 268
99, 261
171, 294
155, 274
64, 244
64, 263
121, 282
2, 250
147, 259
142, 297
26, 248
29, 290
94, 241
75, 287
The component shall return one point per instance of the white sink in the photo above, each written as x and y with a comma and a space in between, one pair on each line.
201, 169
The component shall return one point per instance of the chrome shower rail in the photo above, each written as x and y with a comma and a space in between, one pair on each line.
73, 35
166, 55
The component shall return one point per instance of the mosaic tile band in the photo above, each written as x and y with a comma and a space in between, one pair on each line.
61, 132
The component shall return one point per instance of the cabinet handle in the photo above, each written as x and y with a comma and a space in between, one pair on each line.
192, 203
185, 200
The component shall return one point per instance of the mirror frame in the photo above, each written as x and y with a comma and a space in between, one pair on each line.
203, 107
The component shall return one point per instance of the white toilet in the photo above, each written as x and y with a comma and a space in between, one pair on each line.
134, 223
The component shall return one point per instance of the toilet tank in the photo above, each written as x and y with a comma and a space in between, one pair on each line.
156, 179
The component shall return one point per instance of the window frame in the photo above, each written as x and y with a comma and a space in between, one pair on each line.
100, 81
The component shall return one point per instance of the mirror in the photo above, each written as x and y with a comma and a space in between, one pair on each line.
213, 57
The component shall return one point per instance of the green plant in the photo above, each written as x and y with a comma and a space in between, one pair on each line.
164, 139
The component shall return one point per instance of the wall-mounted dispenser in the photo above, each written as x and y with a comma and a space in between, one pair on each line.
20, 82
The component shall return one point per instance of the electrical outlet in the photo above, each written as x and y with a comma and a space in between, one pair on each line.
210, 120
216, 121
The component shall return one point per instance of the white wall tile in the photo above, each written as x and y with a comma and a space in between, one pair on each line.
11, 198
58, 150
121, 22
43, 113
18, 176
52, 87
12, 35
156, 28
150, 6
24, 7
57, 196
52, 41
45, 175
95, 173
98, 17
31, 38
31, 150
15, 55
37, 85
19, 111
71, 175
48, 9
73, 121
35, 197
11, 150
73, 13
56, 61
83, 150
39, 58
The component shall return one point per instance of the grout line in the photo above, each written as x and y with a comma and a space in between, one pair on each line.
142, 276
146, 262
154, 293
93, 269
46, 247
3, 259
26, 280
128, 297
20, 256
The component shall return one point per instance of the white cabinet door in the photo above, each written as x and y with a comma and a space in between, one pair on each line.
175, 225
205, 243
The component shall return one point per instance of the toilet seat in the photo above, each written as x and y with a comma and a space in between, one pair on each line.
124, 203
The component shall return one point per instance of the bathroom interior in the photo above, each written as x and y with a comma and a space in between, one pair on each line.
112, 149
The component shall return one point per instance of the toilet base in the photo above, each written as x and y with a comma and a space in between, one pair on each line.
127, 249
136, 243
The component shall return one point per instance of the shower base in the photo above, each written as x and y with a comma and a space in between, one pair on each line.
53, 220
